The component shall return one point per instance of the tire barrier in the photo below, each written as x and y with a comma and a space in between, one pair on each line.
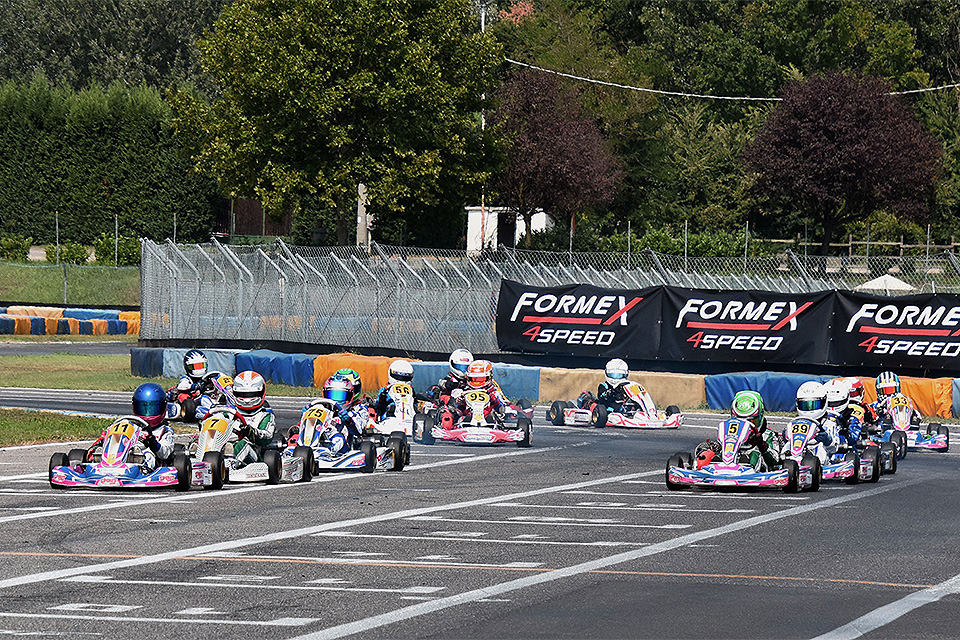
932, 396
293, 369
30, 320
779, 390
147, 362
223, 360
372, 369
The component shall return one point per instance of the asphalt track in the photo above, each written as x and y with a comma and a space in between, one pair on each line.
575, 537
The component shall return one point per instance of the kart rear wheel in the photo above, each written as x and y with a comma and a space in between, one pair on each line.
944, 431
188, 410
397, 448
855, 457
555, 413
523, 422
672, 410
793, 481
873, 454
598, 417
890, 450
369, 456
426, 436
58, 459
218, 468
899, 438
305, 454
676, 460
274, 466
184, 471
816, 470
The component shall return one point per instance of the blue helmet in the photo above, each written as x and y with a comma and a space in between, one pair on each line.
150, 403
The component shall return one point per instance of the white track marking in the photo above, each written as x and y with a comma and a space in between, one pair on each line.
191, 496
596, 543
428, 561
897, 609
564, 522
424, 608
691, 494
279, 622
621, 506
240, 543
21, 477
241, 585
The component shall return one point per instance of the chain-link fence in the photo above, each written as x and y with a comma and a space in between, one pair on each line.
437, 300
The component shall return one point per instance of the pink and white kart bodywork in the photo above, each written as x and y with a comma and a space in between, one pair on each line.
899, 418
479, 425
118, 462
646, 416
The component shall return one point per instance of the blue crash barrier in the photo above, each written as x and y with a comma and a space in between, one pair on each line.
38, 326
8, 326
146, 362
779, 390
295, 369
223, 360
515, 380
92, 314
116, 327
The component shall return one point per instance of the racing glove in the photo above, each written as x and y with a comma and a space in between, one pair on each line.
151, 441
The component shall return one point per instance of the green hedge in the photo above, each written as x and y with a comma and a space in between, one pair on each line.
15, 248
94, 158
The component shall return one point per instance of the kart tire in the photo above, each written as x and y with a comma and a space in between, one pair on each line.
184, 471
891, 450
899, 438
58, 459
525, 404
76, 456
274, 466
676, 460
305, 454
598, 417
672, 410
945, 431
793, 481
855, 478
369, 449
218, 468
426, 435
188, 410
179, 447
873, 454
397, 448
816, 470
523, 422
400, 435
418, 426
555, 413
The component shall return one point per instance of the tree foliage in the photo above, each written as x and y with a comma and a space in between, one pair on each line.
840, 147
322, 95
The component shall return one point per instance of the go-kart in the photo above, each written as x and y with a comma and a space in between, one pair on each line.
193, 405
212, 450
899, 427
734, 469
401, 423
434, 402
116, 460
835, 461
637, 412
308, 442
476, 422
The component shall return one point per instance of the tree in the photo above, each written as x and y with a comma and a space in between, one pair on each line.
322, 95
556, 159
839, 147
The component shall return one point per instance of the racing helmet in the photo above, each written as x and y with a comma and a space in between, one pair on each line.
888, 383
838, 394
195, 364
250, 390
150, 403
351, 376
479, 374
400, 371
811, 400
855, 385
459, 361
748, 405
340, 390
616, 372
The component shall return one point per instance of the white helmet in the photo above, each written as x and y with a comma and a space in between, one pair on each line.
811, 400
249, 390
616, 372
459, 361
400, 371
838, 394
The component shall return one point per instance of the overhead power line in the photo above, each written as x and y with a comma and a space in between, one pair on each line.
677, 94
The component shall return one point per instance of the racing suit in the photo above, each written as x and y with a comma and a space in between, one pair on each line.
498, 401
261, 427
763, 448
446, 386
611, 396
158, 444
345, 432
384, 406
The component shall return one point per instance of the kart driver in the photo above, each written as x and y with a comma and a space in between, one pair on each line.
611, 391
249, 390
150, 405
352, 417
400, 372
888, 385
838, 402
480, 378
195, 367
812, 405
456, 378
763, 446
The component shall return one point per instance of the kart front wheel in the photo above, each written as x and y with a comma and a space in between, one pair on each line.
873, 455
598, 417
855, 457
816, 470
77, 456
218, 468
426, 437
274, 466
890, 450
793, 477
672, 410
524, 423
899, 438
305, 454
58, 459
944, 430
397, 446
555, 413
184, 471
369, 449
676, 460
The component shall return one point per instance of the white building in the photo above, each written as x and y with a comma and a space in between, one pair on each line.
482, 227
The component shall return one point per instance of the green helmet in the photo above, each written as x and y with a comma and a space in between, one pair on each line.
352, 376
748, 405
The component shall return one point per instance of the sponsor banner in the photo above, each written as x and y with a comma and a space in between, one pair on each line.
919, 331
580, 320
745, 326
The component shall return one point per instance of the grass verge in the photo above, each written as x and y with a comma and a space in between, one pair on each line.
30, 427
